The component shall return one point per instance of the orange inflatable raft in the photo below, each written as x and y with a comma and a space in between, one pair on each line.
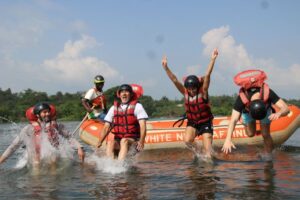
162, 134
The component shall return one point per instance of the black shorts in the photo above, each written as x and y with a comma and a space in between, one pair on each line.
118, 140
206, 127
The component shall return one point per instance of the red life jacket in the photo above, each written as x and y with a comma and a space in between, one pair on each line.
52, 131
264, 93
51, 128
99, 101
196, 109
125, 124
251, 79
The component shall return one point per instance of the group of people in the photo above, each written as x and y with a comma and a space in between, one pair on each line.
126, 118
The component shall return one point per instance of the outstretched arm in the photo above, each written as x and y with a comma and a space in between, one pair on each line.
228, 144
283, 110
12, 148
170, 74
80, 150
209, 70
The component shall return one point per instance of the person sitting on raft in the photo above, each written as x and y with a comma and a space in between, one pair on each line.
198, 112
94, 100
42, 119
254, 102
127, 121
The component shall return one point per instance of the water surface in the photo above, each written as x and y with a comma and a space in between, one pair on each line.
156, 174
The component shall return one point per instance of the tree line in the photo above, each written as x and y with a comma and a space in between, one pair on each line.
69, 108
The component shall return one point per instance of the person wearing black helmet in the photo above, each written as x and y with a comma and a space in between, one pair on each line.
198, 112
43, 134
126, 119
254, 103
94, 100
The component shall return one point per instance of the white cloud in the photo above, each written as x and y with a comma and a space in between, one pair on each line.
71, 65
78, 26
233, 58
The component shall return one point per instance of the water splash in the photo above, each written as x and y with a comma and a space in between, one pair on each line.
198, 151
12, 122
106, 164
113, 166
48, 153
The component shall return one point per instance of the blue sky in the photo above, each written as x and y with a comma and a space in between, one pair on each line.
53, 46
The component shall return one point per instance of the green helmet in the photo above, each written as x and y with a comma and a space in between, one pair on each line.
98, 79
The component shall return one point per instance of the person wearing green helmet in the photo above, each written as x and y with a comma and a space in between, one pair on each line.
94, 100
197, 108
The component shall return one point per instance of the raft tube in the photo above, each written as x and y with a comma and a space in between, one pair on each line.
161, 133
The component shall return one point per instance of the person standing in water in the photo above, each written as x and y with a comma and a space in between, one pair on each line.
255, 102
42, 125
94, 100
196, 100
127, 121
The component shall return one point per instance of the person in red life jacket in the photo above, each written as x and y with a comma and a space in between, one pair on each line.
94, 100
255, 102
127, 121
198, 112
42, 119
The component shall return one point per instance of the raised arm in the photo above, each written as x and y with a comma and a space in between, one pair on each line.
172, 77
209, 70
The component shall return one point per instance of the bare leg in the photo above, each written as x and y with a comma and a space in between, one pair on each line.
110, 146
268, 141
250, 129
189, 136
125, 143
207, 144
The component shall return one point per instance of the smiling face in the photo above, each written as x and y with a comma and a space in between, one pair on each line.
44, 115
192, 91
125, 96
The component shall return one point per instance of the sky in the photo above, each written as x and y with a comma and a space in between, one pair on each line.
52, 46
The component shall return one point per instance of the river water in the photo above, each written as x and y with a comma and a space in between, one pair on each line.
159, 174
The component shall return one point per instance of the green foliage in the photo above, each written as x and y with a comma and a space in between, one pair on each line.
69, 107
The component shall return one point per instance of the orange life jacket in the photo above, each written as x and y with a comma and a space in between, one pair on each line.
197, 111
251, 79
125, 124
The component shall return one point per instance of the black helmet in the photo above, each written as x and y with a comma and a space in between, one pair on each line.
39, 107
125, 87
98, 79
258, 109
192, 81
